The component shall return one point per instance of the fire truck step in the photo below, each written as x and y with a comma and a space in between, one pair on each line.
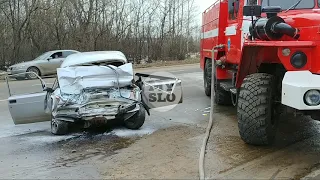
233, 90
226, 85
232, 71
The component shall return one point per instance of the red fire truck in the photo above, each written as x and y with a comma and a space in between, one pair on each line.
266, 60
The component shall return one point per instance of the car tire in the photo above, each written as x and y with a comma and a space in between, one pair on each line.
137, 120
32, 76
59, 127
256, 114
207, 76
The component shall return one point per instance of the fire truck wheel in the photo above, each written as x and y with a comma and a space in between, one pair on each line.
207, 76
221, 96
256, 116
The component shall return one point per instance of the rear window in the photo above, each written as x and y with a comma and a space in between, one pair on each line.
285, 4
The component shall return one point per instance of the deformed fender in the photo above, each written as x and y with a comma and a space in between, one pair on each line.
248, 64
255, 53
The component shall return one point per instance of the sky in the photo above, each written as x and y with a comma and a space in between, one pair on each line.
203, 5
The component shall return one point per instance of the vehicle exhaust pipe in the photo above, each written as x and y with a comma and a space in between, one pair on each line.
284, 28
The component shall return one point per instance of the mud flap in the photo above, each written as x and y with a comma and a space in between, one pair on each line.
160, 92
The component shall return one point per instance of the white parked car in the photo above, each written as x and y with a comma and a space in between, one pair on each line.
92, 87
44, 65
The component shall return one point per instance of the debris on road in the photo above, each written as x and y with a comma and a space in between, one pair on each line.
122, 132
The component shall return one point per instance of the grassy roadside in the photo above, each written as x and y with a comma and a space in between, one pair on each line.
141, 66
2, 75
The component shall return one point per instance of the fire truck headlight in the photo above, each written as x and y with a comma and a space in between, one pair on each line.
299, 60
312, 98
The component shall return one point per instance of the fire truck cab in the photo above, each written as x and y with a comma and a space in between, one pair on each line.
262, 56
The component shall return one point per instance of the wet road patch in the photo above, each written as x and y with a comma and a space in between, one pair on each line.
88, 146
293, 155
74, 147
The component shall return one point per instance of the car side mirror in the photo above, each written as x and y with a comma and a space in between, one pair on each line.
254, 10
49, 58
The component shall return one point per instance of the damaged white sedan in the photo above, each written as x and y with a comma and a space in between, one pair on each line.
92, 87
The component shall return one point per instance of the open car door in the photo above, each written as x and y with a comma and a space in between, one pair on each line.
160, 91
27, 107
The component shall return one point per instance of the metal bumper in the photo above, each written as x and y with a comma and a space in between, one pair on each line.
88, 114
294, 87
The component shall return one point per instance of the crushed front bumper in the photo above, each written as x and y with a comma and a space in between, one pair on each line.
102, 104
294, 87
96, 111
17, 73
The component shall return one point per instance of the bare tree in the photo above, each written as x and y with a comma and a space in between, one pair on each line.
151, 30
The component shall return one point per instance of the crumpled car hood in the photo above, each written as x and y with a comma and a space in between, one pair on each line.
91, 91
72, 80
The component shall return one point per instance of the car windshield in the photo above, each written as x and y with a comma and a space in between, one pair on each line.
42, 56
305, 4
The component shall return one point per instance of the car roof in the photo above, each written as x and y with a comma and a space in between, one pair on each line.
83, 58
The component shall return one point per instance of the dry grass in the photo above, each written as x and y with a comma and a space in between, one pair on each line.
168, 63
2, 75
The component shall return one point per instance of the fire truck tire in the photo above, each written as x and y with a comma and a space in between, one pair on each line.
221, 96
207, 76
256, 122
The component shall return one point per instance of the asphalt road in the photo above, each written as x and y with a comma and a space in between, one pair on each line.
166, 147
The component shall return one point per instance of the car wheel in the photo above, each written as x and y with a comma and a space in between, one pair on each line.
136, 121
31, 75
59, 127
